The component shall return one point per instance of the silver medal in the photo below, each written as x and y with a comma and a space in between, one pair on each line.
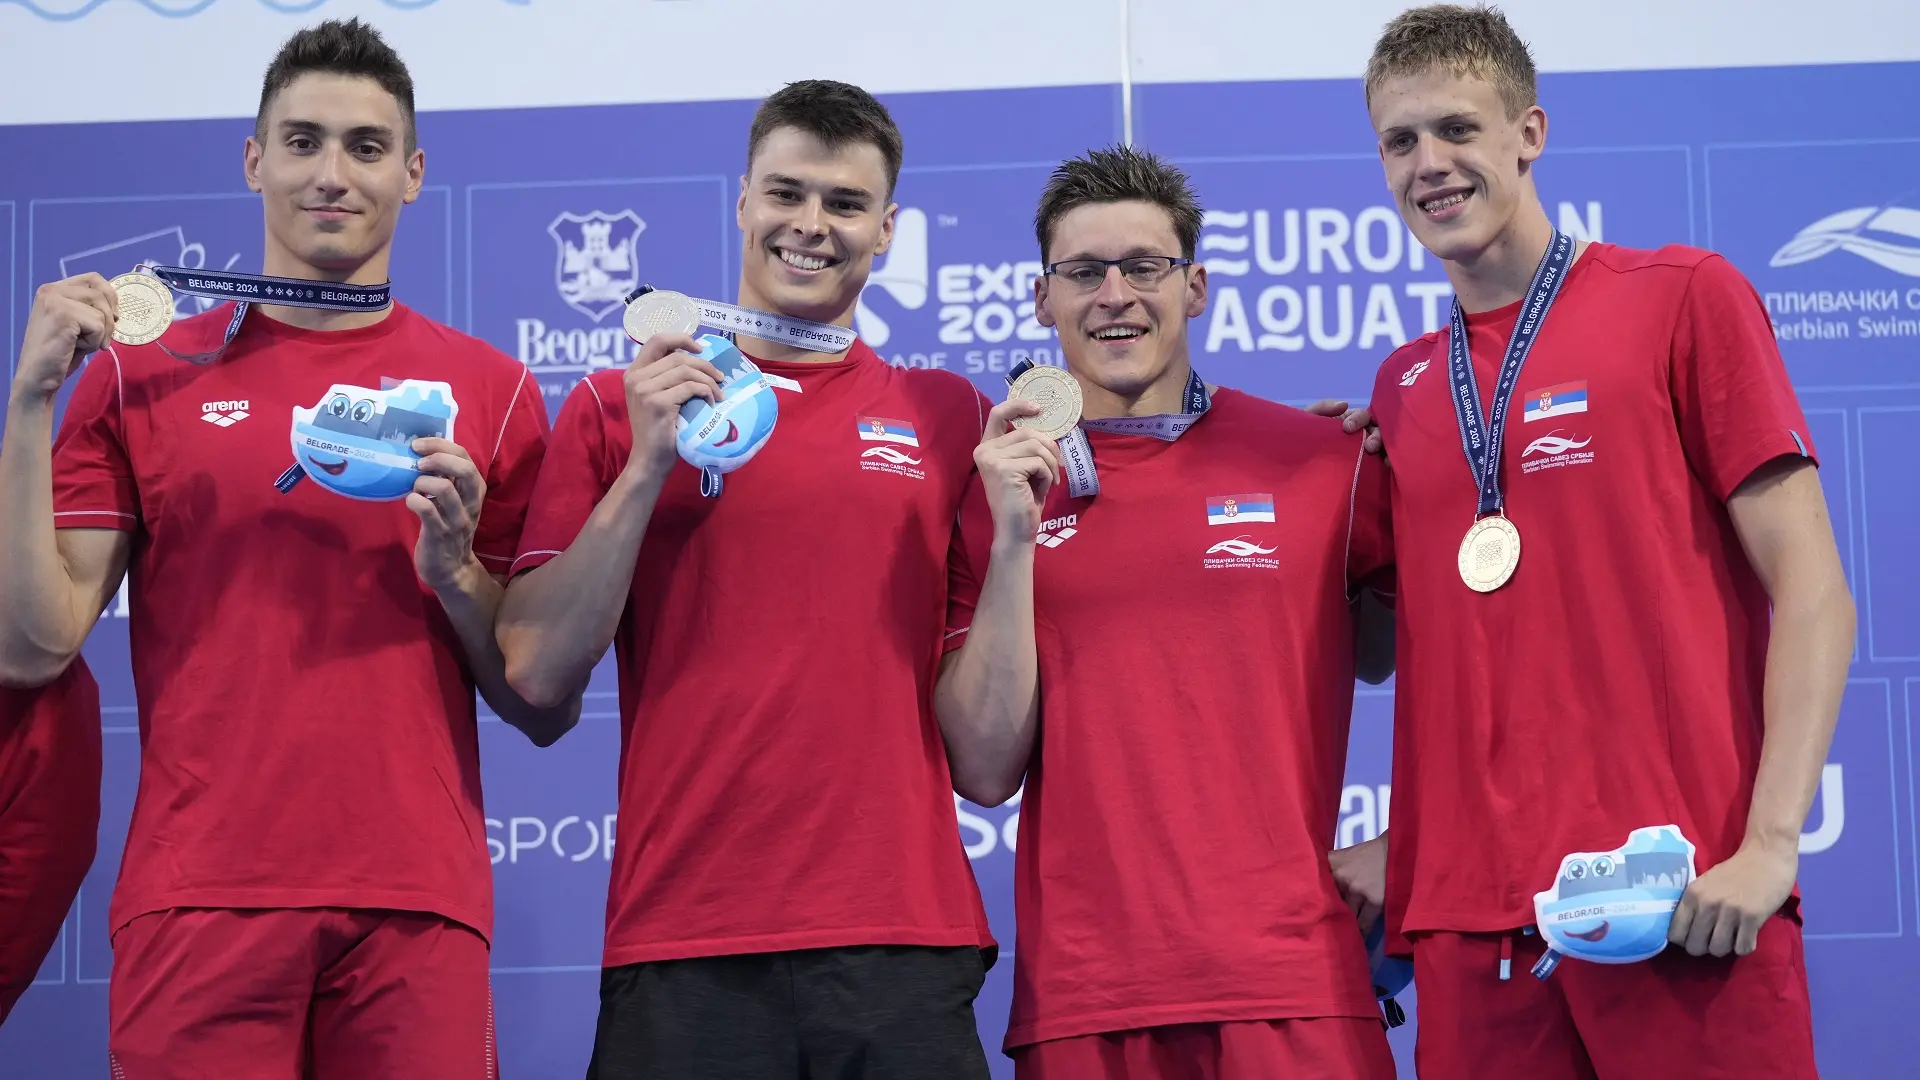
660, 312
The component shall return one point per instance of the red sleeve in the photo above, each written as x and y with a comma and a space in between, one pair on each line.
93, 485
50, 787
967, 559
1370, 527
1735, 407
517, 452
574, 476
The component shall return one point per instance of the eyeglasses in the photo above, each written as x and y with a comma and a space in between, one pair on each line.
1141, 271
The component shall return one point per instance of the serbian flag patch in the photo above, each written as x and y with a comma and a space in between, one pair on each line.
1235, 509
1552, 401
881, 429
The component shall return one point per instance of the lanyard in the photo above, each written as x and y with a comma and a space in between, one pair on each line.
1077, 453
250, 289
1482, 438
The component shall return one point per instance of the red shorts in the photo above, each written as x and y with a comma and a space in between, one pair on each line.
1320, 1048
299, 994
1674, 1016
49, 817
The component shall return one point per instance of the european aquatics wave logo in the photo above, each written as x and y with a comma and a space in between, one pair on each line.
1887, 236
69, 10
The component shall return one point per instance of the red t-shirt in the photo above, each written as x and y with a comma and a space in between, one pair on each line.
49, 815
1615, 681
1196, 672
783, 783
306, 713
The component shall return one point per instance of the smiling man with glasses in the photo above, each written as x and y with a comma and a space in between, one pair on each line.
1163, 645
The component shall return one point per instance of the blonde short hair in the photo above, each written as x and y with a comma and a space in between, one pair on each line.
1461, 41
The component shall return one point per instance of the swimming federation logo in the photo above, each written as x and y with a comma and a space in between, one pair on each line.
888, 457
598, 260
1555, 450
888, 453
1887, 236
1243, 552
1241, 547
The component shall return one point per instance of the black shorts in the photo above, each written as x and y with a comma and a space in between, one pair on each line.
874, 1012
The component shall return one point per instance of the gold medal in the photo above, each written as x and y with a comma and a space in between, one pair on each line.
1056, 393
1489, 553
146, 308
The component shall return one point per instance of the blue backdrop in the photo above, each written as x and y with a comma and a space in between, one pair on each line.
1315, 280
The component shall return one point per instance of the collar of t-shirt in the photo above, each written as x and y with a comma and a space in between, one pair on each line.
1118, 448
259, 328
1502, 318
795, 375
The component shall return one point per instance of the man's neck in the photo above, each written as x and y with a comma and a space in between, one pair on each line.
1500, 274
780, 351
371, 272
1162, 397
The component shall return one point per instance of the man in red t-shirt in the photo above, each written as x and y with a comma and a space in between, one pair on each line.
306, 882
790, 896
1647, 627
1153, 621
49, 815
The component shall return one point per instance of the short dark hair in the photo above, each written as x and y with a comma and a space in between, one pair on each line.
1119, 174
338, 47
1459, 41
838, 114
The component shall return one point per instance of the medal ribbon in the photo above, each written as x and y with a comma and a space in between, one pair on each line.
1482, 439
1077, 453
250, 289
786, 329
